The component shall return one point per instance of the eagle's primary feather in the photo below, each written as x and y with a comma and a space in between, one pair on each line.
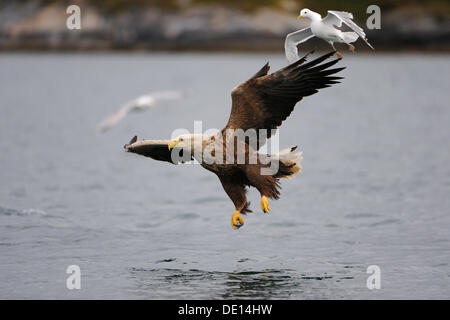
265, 101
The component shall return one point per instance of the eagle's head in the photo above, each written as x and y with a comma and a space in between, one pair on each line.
190, 142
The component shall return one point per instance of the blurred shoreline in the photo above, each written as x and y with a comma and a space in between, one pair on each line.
41, 25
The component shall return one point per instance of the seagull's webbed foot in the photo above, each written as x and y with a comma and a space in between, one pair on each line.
351, 48
339, 55
265, 204
236, 220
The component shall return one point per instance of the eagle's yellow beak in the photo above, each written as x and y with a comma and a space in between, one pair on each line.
299, 17
173, 143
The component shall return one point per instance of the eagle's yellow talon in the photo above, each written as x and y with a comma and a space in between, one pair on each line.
339, 55
351, 48
265, 204
236, 220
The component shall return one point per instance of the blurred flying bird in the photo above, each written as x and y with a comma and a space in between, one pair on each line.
325, 29
141, 103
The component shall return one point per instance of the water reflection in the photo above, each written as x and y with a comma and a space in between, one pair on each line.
200, 284
266, 284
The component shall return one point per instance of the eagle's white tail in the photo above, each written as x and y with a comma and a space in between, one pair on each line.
292, 162
350, 37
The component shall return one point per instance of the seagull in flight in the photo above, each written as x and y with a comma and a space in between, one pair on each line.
141, 103
326, 29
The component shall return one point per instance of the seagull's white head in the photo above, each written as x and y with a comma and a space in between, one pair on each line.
311, 15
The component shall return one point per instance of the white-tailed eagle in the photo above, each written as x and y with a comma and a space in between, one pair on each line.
260, 104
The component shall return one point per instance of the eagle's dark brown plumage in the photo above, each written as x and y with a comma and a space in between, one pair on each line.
262, 102
265, 101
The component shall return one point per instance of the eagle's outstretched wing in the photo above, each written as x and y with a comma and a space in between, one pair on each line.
265, 101
336, 18
293, 40
157, 150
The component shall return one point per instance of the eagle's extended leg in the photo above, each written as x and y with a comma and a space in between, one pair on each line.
351, 47
267, 185
236, 192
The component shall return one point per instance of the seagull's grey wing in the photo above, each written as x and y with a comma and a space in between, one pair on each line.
157, 150
336, 18
292, 40
115, 117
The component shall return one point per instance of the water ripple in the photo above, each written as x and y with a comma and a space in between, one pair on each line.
243, 284
20, 213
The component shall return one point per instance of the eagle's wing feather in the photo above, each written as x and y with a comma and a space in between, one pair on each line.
265, 101
155, 149
336, 18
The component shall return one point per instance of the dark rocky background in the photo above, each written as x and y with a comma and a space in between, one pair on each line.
252, 25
